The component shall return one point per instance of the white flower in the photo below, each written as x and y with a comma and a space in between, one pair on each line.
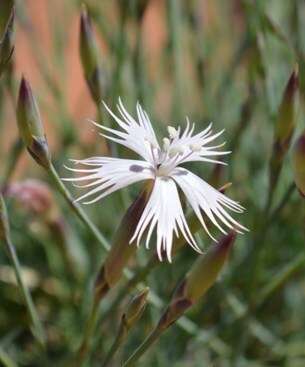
163, 210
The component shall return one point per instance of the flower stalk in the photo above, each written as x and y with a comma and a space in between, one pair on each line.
5, 238
7, 42
197, 282
298, 163
129, 318
32, 133
13, 157
112, 268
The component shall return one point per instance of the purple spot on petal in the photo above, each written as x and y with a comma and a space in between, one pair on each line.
181, 173
136, 168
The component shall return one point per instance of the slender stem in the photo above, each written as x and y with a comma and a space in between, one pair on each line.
148, 342
120, 51
136, 278
280, 278
83, 350
37, 326
6, 360
119, 339
76, 208
259, 244
175, 26
282, 203
13, 157
256, 263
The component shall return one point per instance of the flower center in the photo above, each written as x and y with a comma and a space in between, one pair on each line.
172, 153
163, 170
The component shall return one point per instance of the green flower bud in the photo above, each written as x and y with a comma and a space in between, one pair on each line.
30, 125
298, 163
90, 58
135, 308
286, 117
7, 42
121, 251
284, 126
199, 279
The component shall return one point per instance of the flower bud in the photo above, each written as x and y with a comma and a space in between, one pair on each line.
34, 195
121, 251
7, 42
286, 118
30, 125
135, 308
298, 163
90, 58
4, 225
284, 126
199, 279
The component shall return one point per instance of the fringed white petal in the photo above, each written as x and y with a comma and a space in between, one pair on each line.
187, 140
109, 175
137, 135
203, 197
164, 212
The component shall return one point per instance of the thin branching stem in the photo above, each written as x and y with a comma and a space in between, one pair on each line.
84, 348
77, 208
147, 343
37, 329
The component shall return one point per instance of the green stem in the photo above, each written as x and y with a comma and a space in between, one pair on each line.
280, 278
136, 278
37, 329
13, 157
175, 26
259, 245
148, 342
84, 348
76, 208
119, 339
282, 203
120, 51
6, 360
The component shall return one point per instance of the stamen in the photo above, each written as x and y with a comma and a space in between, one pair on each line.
173, 133
176, 150
152, 143
196, 147
166, 144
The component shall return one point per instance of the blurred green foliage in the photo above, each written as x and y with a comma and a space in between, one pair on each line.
225, 61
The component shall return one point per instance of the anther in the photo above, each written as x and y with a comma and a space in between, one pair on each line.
173, 133
152, 144
176, 150
196, 147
